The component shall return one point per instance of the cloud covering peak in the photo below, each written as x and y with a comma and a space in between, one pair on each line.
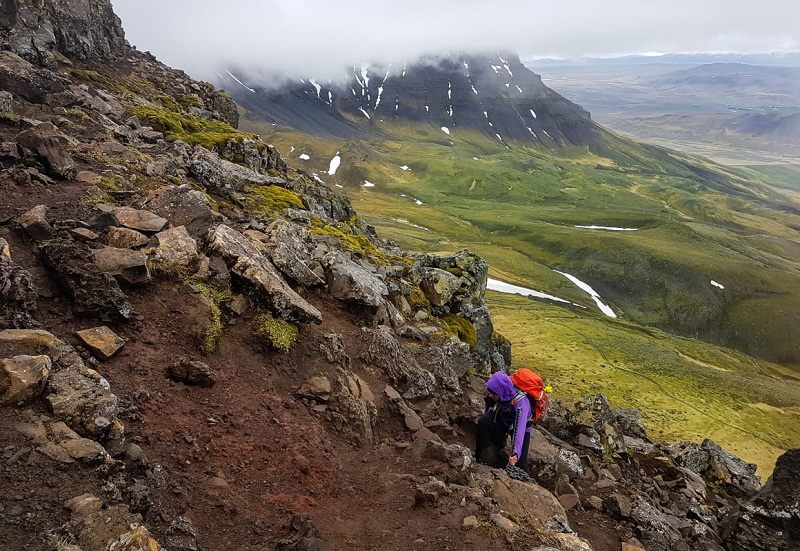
320, 37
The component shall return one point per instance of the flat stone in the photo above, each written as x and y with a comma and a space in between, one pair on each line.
24, 378
56, 453
101, 341
126, 238
84, 450
140, 220
412, 420
88, 177
392, 394
35, 430
568, 501
83, 234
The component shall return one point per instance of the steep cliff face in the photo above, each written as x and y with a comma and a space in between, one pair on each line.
84, 30
494, 95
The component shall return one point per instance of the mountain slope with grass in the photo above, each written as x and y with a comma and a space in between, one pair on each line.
669, 242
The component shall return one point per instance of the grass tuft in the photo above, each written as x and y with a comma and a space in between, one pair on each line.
269, 201
281, 335
211, 335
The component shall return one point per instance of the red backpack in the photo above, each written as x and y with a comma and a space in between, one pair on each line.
532, 384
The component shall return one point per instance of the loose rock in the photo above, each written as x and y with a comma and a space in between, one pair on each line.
102, 341
22, 378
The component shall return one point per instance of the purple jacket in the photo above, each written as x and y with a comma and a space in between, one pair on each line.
500, 383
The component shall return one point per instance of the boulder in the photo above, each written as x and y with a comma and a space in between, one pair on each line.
139, 220
101, 341
126, 238
18, 299
316, 388
23, 79
291, 248
34, 223
352, 282
184, 206
259, 276
439, 286
428, 493
192, 373
51, 146
93, 292
657, 533
82, 397
174, 251
22, 378
527, 500
385, 352
126, 265
224, 177
353, 408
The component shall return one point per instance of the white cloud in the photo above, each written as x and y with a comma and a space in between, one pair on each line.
320, 37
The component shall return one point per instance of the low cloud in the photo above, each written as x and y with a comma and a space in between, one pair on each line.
320, 38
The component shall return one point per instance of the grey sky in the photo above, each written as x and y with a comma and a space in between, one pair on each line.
316, 37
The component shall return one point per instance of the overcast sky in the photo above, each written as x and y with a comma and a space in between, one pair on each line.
316, 37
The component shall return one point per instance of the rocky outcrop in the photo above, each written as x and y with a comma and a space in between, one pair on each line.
184, 206
18, 300
258, 276
93, 292
224, 177
27, 81
352, 282
78, 29
295, 253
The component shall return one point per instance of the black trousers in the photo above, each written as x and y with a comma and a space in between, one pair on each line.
491, 439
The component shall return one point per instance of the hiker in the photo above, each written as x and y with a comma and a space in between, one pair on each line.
513, 404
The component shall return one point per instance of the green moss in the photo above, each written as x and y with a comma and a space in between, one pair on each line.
499, 340
269, 201
418, 301
189, 100
349, 236
280, 334
188, 128
7, 117
458, 272
209, 340
463, 329
168, 103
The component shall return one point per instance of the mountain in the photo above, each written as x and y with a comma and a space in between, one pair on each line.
780, 59
496, 96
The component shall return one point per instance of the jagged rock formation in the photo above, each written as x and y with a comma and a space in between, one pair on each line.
270, 365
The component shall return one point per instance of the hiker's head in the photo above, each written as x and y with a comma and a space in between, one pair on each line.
501, 386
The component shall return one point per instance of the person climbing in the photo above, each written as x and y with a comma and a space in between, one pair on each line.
513, 404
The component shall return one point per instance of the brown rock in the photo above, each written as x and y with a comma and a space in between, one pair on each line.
22, 378
140, 220
191, 373
5, 250
84, 450
102, 341
56, 453
124, 264
316, 388
175, 250
83, 234
83, 504
470, 522
126, 238
503, 523
88, 177
35, 224
135, 539
568, 501
50, 145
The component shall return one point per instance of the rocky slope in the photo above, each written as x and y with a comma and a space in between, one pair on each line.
203, 348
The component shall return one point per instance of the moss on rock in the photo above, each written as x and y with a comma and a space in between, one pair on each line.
463, 329
188, 128
268, 201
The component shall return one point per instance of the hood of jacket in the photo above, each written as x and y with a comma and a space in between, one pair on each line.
500, 383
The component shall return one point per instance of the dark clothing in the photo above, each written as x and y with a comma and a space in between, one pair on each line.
494, 427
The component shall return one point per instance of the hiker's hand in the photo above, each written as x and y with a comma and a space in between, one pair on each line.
513, 460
